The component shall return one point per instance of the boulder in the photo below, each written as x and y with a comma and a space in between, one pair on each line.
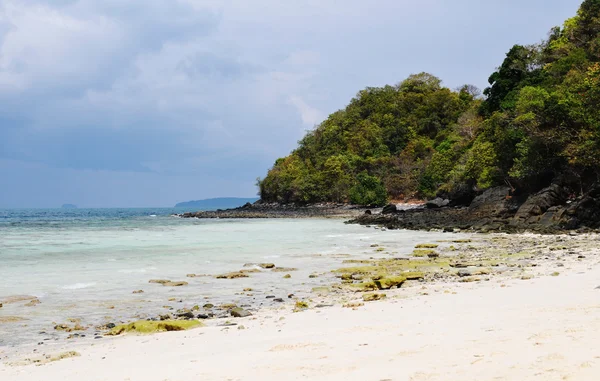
437, 203
539, 203
494, 203
389, 209
240, 312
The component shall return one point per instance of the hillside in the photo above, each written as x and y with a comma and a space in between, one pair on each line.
537, 123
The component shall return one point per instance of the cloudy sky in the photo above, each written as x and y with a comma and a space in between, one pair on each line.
107, 103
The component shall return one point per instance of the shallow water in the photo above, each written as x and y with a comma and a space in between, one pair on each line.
86, 264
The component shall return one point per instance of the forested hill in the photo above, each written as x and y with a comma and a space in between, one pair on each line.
538, 122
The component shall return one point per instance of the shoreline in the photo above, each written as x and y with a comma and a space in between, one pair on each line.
306, 330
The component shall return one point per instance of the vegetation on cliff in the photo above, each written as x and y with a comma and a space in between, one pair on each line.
538, 122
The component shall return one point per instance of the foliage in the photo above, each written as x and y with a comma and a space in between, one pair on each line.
368, 191
539, 121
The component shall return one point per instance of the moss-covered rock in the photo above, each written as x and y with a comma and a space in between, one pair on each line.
422, 253
386, 283
147, 327
427, 246
159, 281
284, 269
267, 265
175, 284
233, 275
373, 297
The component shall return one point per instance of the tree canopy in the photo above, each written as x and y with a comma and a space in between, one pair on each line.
539, 122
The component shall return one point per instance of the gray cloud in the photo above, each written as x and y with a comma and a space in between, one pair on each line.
210, 92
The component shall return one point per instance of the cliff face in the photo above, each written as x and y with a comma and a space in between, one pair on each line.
536, 125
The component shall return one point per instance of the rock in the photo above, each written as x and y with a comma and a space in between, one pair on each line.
175, 284
389, 209
138, 292
437, 203
208, 306
373, 297
283, 269
233, 275
202, 316
159, 281
240, 312
145, 326
388, 282
10, 319
323, 305
464, 272
33, 303
185, 314
267, 265
270, 296
278, 300
539, 203
17, 299
287, 276
368, 212
494, 202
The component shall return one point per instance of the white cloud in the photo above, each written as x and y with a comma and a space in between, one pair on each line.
310, 115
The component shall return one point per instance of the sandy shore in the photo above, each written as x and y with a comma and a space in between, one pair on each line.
545, 328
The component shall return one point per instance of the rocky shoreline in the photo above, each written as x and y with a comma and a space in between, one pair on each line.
274, 210
552, 210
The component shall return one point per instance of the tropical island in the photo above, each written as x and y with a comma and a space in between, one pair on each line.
524, 154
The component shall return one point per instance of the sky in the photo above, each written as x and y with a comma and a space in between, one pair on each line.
114, 103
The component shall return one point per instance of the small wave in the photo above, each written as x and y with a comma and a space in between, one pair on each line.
78, 286
153, 215
271, 256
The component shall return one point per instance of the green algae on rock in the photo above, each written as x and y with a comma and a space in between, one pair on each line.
373, 297
233, 275
147, 327
427, 246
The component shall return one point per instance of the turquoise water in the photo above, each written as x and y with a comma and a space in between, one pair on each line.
85, 263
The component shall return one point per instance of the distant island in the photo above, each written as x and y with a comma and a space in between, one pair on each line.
216, 203
69, 206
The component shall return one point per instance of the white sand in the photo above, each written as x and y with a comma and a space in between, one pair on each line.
545, 329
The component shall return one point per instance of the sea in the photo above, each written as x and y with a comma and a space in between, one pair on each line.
85, 264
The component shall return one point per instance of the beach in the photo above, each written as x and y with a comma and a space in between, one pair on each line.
545, 328
337, 302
